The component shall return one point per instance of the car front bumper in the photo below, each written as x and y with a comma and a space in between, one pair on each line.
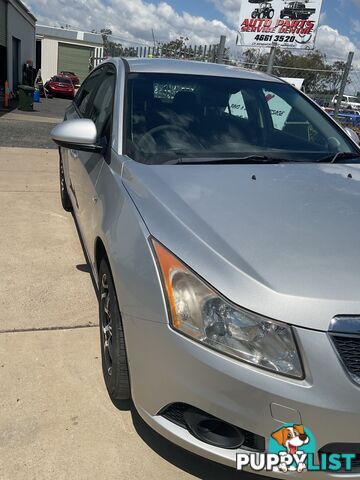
167, 368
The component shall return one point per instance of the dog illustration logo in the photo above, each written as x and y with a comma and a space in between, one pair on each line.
292, 441
292, 438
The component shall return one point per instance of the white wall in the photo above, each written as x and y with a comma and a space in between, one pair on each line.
49, 58
22, 27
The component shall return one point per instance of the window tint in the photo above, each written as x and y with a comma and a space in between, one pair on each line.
61, 80
86, 90
102, 103
171, 116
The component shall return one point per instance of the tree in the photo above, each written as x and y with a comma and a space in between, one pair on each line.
105, 32
319, 76
175, 48
335, 77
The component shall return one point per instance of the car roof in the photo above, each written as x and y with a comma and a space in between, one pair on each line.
191, 67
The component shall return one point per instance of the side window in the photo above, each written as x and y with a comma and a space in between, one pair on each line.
237, 106
102, 104
85, 92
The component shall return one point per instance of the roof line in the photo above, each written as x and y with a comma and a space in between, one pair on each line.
23, 7
67, 29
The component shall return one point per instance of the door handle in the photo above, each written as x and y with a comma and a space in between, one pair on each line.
74, 153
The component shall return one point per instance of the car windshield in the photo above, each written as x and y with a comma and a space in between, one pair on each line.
172, 116
61, 80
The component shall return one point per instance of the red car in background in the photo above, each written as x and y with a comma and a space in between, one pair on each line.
73, 77
60, 86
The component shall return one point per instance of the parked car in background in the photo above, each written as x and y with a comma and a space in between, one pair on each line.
350, 111
60, 86
219, 211
347, 102
73, 77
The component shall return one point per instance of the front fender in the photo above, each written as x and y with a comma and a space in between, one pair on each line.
127, 244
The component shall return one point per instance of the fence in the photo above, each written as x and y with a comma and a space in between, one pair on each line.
204, 53
320, 84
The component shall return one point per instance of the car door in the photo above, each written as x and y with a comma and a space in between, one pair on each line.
89, 164
80, 108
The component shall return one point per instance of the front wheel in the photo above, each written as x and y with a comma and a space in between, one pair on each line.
112, 338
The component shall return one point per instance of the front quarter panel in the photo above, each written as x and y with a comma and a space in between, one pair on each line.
126, 240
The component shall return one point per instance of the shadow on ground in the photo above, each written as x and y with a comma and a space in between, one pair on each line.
13, 104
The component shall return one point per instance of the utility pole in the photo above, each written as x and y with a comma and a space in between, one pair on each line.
221, 50
343, 83
271, 60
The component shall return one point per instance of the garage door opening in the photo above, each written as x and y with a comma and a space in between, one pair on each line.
75, 58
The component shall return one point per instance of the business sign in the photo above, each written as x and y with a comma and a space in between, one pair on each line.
282, 23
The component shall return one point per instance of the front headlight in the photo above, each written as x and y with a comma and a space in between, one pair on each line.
201, 313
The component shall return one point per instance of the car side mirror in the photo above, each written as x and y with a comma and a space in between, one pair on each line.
80, 134
353, 135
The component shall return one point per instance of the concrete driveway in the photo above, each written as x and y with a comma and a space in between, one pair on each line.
56, 420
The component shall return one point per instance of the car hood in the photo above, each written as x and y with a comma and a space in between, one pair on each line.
282, 240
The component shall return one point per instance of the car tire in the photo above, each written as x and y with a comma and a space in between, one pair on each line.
64, 195
271, 13
112, 339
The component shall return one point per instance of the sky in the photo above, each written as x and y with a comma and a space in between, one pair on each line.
202, 21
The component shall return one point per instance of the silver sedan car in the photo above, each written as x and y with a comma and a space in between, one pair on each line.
220, 212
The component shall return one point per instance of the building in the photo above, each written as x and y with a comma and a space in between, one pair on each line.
17, 41
60, 49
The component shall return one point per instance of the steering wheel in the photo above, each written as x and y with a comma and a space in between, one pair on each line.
147, 142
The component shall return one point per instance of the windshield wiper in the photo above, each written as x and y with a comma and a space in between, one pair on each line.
339, 156
251, 159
